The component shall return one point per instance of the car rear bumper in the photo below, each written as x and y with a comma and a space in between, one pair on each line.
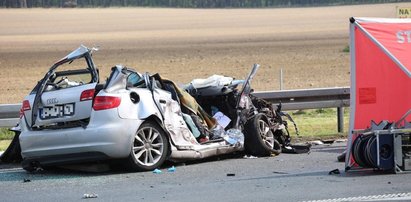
110, 136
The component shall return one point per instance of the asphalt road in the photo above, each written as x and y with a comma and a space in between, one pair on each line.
287, 177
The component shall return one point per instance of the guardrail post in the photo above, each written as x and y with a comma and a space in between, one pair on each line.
340, 119
281, 79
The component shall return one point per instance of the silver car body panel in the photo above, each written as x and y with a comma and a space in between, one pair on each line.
71, 95
118, 80
76, 53
105, 133
203, 152
177, 127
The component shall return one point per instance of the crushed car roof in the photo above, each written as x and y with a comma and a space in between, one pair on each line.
80, 51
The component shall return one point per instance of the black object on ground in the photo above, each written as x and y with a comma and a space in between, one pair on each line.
297, 149
341, 157
13, 152
334, 172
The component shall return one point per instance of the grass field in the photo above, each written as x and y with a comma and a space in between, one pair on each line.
182, 44
4, 144
319, 124
5, 138
309, 44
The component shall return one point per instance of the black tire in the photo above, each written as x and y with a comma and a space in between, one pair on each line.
370, 150
359, 150
259, 138
29, 166
13, 152
149, 149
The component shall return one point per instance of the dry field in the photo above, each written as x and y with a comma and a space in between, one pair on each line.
182, 44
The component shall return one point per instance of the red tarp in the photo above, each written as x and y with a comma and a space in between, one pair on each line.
380, 72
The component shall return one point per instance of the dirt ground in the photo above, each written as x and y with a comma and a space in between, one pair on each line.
182, 44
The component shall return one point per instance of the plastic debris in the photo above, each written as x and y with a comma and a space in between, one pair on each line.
230, 174
172, 169
218, 132
86, 196
157, 171
250, 157
335, 172
234, 136
26, 180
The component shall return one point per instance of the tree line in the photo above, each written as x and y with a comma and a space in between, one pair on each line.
183, 3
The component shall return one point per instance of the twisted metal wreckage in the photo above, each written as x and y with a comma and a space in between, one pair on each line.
142, 119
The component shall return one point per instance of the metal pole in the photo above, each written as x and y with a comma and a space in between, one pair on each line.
281, 79
340, 119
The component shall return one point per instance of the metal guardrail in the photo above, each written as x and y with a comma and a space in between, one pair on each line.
338, 97
9, 114
309, 98
291, 100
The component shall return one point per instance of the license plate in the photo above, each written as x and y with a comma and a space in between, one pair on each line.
57, 111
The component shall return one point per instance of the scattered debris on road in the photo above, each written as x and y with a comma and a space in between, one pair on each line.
26, 180
157, 171
230, 174
250, 157
340, 140
87, 196
279, 172
316, 142
334, 172
172, 169
341, 157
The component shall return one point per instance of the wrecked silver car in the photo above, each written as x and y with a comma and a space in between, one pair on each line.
142, 119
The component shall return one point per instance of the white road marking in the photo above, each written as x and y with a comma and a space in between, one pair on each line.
383, 197
11, 170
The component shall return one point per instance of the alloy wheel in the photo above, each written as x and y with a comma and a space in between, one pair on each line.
266, 135
148, 146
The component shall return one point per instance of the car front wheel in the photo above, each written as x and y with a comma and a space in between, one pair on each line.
259, 138
149, 149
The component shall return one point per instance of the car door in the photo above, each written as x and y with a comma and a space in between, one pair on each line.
66, 93
161, 97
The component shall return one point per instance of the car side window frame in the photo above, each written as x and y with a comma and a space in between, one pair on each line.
140, 83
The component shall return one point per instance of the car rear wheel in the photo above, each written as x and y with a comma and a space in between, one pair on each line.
149, 149
259, 138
